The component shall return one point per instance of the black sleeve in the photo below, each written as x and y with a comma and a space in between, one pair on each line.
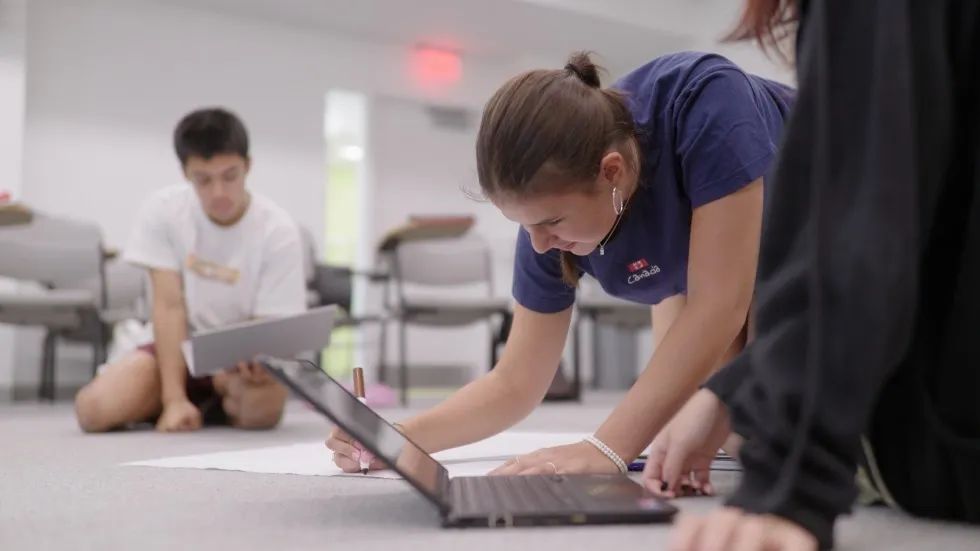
838, 271
726, 380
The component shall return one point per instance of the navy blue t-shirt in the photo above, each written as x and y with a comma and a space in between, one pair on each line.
706, 129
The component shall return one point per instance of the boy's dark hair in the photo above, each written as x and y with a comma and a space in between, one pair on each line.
209, 132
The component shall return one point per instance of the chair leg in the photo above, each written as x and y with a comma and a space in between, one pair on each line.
593, 322
577, 359
506, 321
493, 345
403, 362
46, 388
42, 384
383, 352
577, 383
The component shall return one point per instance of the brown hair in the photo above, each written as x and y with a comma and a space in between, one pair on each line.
546, 131
769, 23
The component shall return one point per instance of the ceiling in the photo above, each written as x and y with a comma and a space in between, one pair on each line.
624, 33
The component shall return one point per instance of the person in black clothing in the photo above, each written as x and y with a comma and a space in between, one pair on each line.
868, 288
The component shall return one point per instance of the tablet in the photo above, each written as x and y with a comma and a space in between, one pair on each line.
212, 351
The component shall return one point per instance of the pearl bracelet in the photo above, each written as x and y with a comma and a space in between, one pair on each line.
608, 452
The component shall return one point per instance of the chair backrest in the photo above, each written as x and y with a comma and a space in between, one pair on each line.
309, 255
334, 285
441, 262
57, 252
127, 289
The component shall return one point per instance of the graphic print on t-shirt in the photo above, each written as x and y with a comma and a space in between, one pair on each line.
640, 269
212, 270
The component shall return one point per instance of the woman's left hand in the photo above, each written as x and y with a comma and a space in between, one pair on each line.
732, 528
580, 457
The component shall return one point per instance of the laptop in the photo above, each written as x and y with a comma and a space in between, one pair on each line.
490, 501
209, 352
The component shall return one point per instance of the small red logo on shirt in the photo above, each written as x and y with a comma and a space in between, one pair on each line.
637, 265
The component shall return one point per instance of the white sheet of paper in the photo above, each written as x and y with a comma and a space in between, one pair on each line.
507, 444
313, 459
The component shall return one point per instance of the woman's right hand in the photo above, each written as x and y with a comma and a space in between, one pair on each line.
347, 453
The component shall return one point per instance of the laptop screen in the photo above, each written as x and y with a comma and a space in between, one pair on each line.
366, 426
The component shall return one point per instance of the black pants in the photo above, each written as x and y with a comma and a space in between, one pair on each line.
925, 429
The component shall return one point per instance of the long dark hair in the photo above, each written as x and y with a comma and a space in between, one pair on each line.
546, 131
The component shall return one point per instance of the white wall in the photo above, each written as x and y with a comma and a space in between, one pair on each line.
108, 79
12, 23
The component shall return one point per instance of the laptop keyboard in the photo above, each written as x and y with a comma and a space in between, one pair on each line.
515, 493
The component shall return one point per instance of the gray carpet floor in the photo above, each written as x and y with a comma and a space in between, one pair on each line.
60, 489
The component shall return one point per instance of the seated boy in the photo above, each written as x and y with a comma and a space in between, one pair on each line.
217, 254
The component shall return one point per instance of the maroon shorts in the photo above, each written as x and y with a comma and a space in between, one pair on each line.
201, 393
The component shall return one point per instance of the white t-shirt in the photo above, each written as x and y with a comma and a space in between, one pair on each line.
230, 274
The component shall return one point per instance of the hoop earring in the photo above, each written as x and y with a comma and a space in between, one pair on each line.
617, 200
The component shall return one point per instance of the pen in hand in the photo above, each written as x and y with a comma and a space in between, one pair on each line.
359, 392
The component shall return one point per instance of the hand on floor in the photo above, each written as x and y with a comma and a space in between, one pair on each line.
179, 416
731, 528
581, 457
680, 456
